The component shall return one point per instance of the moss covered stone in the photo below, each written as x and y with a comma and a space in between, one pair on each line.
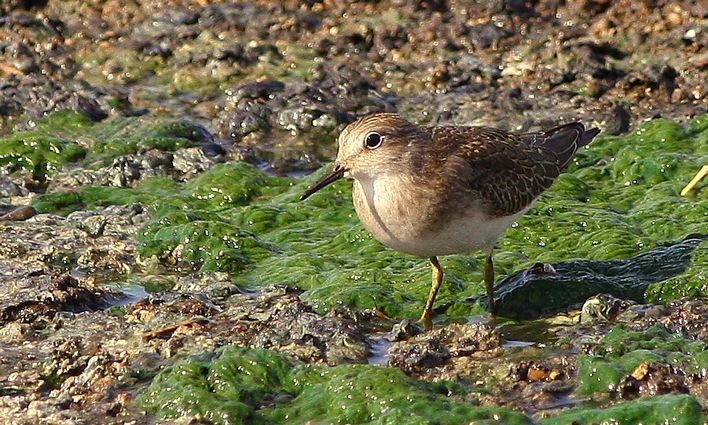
667, 409
238, 385
620, 351
69, 136
524, 294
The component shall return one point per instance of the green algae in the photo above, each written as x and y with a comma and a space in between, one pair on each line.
240, 385
666, 409
40, 150
621, 350
619, 199
147, 192
69, 136
225, 387
200, 241
364, 394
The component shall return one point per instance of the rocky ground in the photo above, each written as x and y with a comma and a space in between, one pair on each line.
156, 267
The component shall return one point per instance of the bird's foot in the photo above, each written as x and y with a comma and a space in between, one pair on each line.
426, 320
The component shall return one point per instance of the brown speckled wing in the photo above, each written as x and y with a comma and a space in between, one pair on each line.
504, 171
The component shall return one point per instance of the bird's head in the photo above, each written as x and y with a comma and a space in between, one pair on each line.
373, 145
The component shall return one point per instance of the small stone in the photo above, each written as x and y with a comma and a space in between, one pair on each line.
191, 161
19, 214
603, 307
435, 348
8, 188
94, 225
404, 330
537, 373
487, 35
640, 371
676, 95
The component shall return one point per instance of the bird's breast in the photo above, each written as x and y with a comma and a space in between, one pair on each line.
399, 214
390, 209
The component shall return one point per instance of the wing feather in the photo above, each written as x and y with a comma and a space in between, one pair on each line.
506, 172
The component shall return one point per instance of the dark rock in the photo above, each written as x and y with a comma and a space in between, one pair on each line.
243, 122
523, 294
90, 108
595, 6
212, 150
255, 89
330, 339
518, 7
487, 35
652, 379
618, 122
591, 60
43, 296
10, 5
19, 214
179, 16
422, 355
9, 188
432, 5
232, 52
162, 49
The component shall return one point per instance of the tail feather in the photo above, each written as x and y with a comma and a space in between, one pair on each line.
588, 136
563, 140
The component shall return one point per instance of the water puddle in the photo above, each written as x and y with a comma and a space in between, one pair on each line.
129, 294
515, 335
517, 344
379, 350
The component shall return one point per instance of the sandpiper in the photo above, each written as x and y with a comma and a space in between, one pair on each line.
432, 191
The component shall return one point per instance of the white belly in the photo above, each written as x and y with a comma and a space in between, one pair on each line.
461, 236
396, 220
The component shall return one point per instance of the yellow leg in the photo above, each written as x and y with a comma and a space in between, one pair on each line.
425, 318
489, 283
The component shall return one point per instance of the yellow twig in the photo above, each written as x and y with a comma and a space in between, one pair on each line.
694, 181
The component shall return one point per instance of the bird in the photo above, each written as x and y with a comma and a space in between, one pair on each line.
432, 191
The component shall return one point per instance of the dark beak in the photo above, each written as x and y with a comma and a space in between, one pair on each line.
334, 175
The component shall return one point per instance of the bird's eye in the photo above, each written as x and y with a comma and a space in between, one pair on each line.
373, 140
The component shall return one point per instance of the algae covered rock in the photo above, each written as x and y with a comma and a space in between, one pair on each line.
236, 385
69, 136
628, 363
525, 294
675, 409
